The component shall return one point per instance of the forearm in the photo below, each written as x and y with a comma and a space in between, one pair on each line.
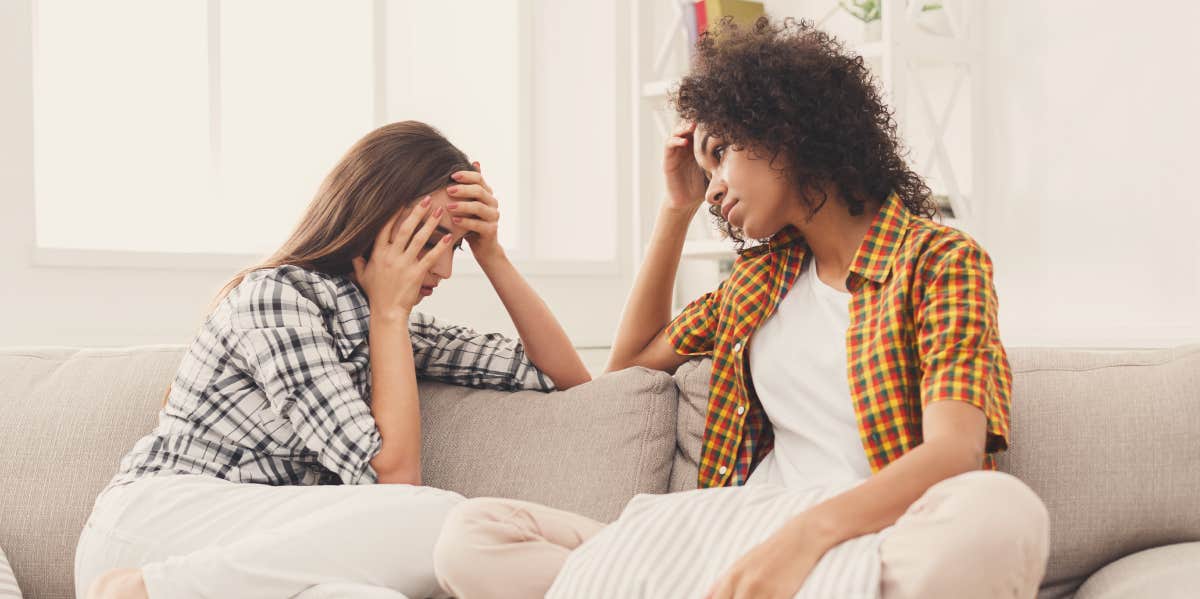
648, 309
883, 498
395, 403
545, 341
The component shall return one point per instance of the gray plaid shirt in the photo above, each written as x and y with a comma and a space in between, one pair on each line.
276, 387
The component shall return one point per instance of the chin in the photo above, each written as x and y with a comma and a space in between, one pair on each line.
750, 231
755, 231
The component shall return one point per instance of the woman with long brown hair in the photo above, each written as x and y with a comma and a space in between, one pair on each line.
300, 390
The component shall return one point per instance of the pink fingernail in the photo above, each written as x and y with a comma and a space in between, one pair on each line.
457, 219
456, 176
452, 205
437, 212
425, 202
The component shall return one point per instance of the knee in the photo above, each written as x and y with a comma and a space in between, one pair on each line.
399, 510
1007, 507
467, 532
120, 583
999, 515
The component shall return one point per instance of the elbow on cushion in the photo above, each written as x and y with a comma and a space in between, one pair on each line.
402, 468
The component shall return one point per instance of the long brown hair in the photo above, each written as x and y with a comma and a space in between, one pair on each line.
388, 169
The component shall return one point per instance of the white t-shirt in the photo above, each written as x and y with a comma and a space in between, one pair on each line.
798, 365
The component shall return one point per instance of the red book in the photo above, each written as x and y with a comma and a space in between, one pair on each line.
701, 17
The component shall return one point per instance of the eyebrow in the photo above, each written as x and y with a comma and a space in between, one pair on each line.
439, 231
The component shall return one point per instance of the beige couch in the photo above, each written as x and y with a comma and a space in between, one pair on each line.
1111, 441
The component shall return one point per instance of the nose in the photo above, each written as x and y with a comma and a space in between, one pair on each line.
444, 267
716, 191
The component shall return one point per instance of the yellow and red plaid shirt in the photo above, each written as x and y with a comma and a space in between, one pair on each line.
922, 329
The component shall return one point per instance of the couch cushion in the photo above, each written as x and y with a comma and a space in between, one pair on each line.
69, 416
1110, 441
1171, 572
588, 449
692, 379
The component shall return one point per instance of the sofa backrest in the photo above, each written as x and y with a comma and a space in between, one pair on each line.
69, 416
1111, 443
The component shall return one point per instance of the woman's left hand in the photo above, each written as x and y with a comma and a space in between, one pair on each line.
473, 207
776, 569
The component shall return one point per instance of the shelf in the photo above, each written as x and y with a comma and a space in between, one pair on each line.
656, 89
870, 49
708, 249
927, 47
918, 46
955, 223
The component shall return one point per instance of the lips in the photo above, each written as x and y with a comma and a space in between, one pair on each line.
427, 290
727, 208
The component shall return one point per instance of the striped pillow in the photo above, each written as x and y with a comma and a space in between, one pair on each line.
677, 545
8, 582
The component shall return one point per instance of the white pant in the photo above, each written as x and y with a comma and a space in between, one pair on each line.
200, 536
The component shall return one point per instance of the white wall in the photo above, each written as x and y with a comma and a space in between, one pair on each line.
576, 141
1092, 208
1089, 212
1088, 203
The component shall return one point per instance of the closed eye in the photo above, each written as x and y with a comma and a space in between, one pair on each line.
458, 246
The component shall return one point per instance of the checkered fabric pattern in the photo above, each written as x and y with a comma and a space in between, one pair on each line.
923, 328
276, 387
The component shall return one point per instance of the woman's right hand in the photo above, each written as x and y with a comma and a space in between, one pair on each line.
392, 278
685, 178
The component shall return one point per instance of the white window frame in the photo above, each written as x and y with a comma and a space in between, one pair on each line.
225, 262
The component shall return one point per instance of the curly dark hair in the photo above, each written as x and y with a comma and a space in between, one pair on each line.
792, 91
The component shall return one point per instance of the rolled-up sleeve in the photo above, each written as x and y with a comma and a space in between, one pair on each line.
290, 354
694, 331
458, 355
962, 358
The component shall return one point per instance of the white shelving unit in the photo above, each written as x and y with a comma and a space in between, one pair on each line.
923, 60
660, 58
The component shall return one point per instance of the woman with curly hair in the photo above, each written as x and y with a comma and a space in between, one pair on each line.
857, 366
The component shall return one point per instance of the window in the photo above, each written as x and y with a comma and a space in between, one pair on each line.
206, 126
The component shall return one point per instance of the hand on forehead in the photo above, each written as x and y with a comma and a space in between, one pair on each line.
440, 199
702, 142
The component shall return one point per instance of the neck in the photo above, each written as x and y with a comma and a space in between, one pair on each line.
834, 236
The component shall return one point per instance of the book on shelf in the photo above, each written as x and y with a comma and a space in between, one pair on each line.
702, 14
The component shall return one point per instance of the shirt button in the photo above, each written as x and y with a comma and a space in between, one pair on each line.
737, 346
721, 470
741, 410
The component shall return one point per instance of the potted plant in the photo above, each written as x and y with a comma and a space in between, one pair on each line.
932, 19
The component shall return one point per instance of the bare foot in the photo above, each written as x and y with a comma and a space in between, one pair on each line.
121, 583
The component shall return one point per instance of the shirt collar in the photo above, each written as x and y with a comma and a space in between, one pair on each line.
785, 238
875, 256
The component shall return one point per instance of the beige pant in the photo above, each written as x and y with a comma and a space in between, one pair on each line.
980, 535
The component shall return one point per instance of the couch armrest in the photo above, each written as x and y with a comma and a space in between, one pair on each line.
1165, 572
